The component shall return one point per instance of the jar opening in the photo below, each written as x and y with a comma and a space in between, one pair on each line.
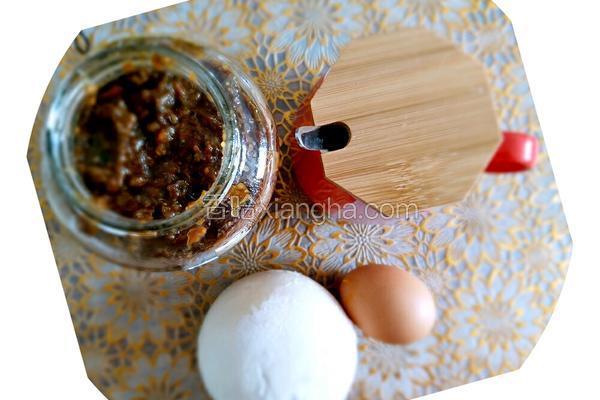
105, 67
214, 223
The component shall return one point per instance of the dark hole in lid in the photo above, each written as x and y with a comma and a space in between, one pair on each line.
324, 138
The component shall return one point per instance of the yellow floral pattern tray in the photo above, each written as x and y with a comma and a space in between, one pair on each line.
496, 261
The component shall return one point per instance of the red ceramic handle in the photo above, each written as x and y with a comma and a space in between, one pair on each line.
517, 153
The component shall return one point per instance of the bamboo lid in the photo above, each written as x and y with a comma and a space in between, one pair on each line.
420, 115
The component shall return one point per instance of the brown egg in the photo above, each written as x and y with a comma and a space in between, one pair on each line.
388, 303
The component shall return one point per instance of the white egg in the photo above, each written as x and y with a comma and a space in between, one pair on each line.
277, 335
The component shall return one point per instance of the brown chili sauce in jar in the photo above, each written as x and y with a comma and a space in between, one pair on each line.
148, 144
161, 153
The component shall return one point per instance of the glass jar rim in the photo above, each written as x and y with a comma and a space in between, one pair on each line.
106, 65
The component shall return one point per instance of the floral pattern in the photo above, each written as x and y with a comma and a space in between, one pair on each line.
495, 320
282, 87
131, 302
273, 246
477, 228
429, 263
495, 262
166, 379
313, 31
215, 23
432, 14
490, 37
348, 245
397, 366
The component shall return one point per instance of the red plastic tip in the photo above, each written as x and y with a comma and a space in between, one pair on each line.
517, 153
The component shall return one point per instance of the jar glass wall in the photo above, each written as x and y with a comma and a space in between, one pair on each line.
221, 216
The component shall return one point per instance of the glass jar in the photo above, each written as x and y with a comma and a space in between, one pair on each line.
234, 203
